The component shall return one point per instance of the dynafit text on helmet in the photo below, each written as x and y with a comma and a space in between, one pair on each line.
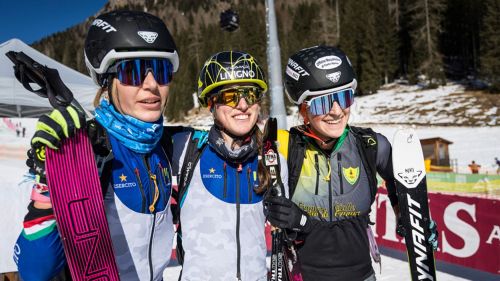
114, 165
332, 169
117, 37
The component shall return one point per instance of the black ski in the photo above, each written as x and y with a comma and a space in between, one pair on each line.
284, 262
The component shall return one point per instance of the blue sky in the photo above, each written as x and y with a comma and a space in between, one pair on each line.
31, 20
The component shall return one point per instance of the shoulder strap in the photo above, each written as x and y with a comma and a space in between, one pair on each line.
195, 147
295, 159
102, 152
367, 146
193, 152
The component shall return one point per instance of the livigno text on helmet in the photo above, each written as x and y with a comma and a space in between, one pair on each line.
238, 74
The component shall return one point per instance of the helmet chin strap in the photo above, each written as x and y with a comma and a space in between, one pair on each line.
310, 133
108, 81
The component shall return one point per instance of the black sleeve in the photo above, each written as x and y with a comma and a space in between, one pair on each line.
35, 213
98, 138
384, 167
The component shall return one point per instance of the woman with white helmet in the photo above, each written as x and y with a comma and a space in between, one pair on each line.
132, 57
332, 170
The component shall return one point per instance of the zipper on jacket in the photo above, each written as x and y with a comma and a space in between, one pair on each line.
150, 255
162, 190
225, 180
316, 165
330, 192
339, 159
238, 246
141, 188
250, 189
153, 183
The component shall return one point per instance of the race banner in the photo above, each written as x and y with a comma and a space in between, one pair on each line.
469, 229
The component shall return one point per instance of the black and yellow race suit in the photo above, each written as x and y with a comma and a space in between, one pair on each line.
334, 190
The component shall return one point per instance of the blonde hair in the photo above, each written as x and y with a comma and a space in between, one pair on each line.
103, 93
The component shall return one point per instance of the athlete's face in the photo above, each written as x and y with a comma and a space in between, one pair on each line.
144, 102
330, 125
237, 120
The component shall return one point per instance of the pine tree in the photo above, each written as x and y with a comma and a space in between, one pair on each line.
460, 40
424, 28
359, 40
386, 40
306, 30
490, 50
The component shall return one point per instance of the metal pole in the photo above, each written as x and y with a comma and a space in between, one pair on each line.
274, 67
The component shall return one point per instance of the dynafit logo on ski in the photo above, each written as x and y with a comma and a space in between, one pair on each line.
411, 177
418, 239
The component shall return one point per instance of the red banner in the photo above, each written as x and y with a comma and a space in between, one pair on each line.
469, 229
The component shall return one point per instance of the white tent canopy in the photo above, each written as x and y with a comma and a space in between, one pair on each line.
15, 101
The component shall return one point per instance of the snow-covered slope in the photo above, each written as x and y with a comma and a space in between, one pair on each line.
449, 105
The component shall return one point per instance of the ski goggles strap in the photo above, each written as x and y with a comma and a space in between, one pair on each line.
232, 96
323, 104
133, 72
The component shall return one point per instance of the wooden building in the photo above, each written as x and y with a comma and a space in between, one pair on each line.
436, 150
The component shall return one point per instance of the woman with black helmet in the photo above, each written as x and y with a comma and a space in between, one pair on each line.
221, 212
332, 170
132, 57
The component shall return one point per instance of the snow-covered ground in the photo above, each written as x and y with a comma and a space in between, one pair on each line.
392, 270
445, 106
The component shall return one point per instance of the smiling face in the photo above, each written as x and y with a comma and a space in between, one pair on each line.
239, 120
144, 102
331, 125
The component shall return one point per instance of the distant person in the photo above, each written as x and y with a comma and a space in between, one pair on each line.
18, 130
474, 168
498, 165
24, 132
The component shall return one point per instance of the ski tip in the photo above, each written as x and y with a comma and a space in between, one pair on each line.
406, 133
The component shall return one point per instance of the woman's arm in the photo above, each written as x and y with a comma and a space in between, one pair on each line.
38, 252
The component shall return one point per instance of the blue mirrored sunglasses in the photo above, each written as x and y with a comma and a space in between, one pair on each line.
323, 104
133, 72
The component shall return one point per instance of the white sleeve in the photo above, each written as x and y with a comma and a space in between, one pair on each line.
284, 174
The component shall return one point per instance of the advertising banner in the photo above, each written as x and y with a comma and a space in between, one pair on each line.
469, 229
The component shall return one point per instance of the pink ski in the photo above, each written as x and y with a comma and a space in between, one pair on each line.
76, 195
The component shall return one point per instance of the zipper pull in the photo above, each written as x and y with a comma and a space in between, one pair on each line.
157, 193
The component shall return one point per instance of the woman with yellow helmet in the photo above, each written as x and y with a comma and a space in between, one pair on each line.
220, 203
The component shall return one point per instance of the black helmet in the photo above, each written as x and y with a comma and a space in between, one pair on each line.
311, 71
228, 67
126, 34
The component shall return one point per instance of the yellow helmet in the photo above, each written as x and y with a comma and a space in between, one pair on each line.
228, 67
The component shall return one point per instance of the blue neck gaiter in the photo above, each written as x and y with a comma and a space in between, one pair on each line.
137, 135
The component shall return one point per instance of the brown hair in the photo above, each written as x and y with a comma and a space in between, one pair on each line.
262, 172
303, 112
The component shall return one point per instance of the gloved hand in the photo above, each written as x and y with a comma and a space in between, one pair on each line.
60, 123
36, 163
283, 213
432, 240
